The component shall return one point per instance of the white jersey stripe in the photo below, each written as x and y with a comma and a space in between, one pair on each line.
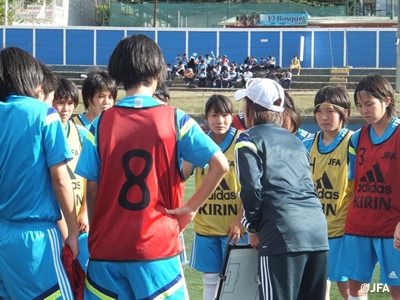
192, 261
265, 279
65, 287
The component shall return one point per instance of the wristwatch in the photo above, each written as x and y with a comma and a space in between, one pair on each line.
252, 231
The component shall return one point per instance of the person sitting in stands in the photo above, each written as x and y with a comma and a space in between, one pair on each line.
246, 76
295, 65
233, 76
169, 71
254, 63
246, 62
177, 61
185, 60
189, 76
286, 80
192, 64
181, 69
225, 79
225, 63
216, 79
271, 62
202, 77
263, 63
208, 59
201, 66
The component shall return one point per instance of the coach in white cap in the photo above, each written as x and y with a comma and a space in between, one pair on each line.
282, 212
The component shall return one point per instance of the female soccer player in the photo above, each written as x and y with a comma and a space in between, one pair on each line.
329, 166
374, 210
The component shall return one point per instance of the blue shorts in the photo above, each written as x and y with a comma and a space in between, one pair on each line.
30, 261
333, 254
359, 255
136, 280
83, 256
208, 253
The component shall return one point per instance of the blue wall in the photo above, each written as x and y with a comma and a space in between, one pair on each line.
80, 47
49, 46
172, 43
106, 41
22, 38
331, 56
361, 49
269, 46
387, 51
323, 48
202, 43
234, 45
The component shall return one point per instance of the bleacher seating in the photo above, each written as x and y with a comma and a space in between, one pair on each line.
310, 79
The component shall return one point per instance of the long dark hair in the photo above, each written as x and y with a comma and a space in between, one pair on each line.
20, 73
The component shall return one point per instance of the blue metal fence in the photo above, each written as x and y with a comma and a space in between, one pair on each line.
323, 47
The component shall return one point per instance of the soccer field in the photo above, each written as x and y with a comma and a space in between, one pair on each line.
194, 279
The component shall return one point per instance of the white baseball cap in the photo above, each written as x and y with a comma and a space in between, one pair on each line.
263, 92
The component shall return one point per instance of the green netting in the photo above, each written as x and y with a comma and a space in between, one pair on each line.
206, 14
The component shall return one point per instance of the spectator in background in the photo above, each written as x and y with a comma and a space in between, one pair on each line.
169, 71
202, 77
208, 59
254, 63
216, 78
180, 70
286, 80
240, 69
276, 75
246, 76
189, 76
192, 64
271, 62
233, 76
263, 63
225, 79
201, 66
177, 62
185, 60
295, 64
246, 62
218, 60
225, 63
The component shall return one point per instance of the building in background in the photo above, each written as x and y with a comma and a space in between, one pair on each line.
183, 14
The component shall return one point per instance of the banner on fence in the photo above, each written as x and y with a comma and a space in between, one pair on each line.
271, 20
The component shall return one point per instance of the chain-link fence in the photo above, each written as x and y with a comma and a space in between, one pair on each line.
206, 14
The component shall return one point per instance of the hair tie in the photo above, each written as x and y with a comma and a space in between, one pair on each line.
330, 104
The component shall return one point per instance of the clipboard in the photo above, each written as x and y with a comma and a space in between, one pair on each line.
238, 279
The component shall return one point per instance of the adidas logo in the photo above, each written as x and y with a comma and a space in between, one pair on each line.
324, 182
324, 188
373, 182
392, 275
223, 192
374, 175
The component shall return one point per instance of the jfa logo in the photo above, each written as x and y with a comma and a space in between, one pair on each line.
375, 287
